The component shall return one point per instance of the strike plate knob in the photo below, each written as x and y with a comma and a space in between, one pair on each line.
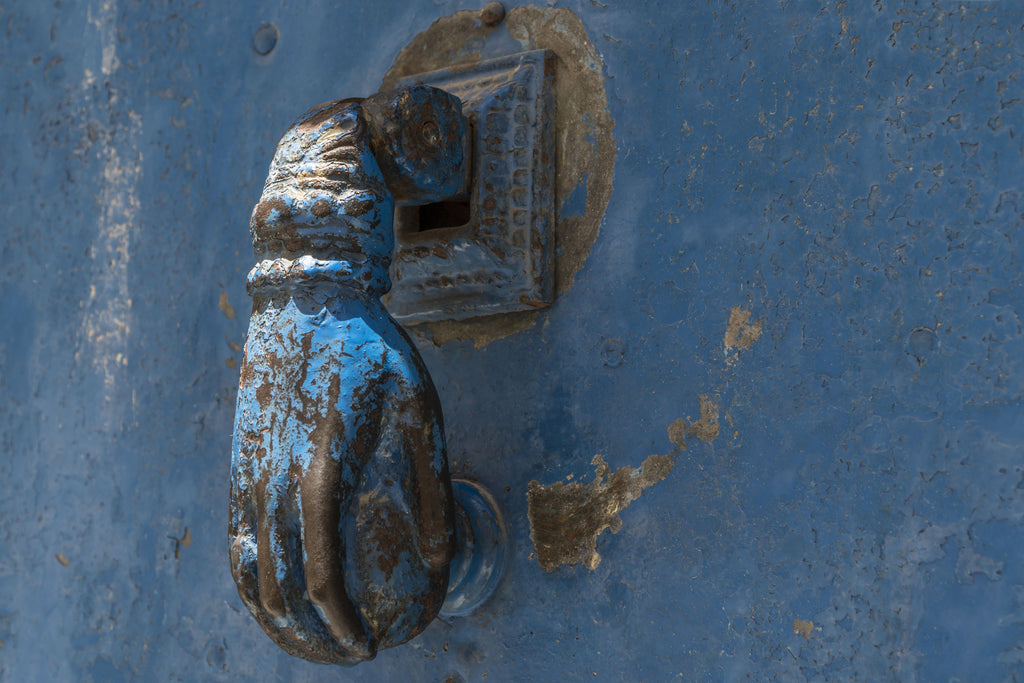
344, 530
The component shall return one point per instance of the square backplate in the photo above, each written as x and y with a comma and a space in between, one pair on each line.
492, 251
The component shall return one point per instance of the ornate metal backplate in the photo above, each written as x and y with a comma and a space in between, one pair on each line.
492, 252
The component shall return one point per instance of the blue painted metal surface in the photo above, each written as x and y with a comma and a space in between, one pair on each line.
834, 184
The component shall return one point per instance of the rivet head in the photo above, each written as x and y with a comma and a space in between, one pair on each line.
492, 13
265, 39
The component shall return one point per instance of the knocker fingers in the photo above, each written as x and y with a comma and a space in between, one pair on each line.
242, 535
244, 565
419, 435
277, 532
321, 503
281, 579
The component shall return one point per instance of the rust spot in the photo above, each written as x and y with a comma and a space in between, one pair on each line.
566, 519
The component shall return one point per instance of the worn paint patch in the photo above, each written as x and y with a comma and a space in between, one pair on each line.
741, 333
225, 306
705, 428
677, 433
567, 518
107, 318
803, 628
584, 145
183, 542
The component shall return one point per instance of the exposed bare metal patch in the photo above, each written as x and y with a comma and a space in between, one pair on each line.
705, 428
803, 628
225, 305
566, 519
677, 433
741, 333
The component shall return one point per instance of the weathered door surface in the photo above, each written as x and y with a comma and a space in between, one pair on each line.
770, 429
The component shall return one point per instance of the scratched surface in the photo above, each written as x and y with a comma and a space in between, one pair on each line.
813, 235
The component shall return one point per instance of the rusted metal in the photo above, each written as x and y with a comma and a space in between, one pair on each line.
500, 257
342, 521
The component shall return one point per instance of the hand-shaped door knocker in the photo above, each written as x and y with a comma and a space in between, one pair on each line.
343, 527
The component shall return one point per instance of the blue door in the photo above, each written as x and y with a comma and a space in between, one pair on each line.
769, 427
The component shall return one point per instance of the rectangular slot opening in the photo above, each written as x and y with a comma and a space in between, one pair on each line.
450, 214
